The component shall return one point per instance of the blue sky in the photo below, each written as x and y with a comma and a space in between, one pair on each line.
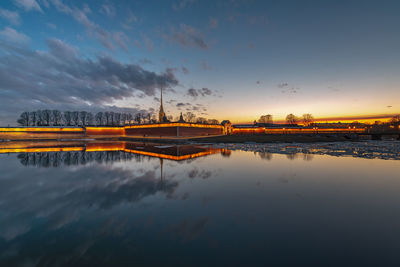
232, 60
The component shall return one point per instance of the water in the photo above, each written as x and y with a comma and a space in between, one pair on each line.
93, 207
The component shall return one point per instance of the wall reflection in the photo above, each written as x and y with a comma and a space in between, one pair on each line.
57, 154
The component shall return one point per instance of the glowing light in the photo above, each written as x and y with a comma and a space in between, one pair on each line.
39, 129
159, 125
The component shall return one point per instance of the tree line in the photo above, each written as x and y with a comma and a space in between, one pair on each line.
79, 118
306, 119
83, 118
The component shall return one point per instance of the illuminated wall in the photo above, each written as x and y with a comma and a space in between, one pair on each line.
174, 129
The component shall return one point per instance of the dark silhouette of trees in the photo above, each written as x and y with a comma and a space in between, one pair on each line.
291, 119
67, 118
267, 119
84, 118
74, 118
308, 119
57, 117
24, 119
189, 117
395, 120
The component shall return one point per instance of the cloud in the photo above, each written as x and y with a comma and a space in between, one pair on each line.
146, 61
10, 35
283, 85
108, 10
60, 77
121, 39
12, 16
59, 201
199, 92
185, 70
205, 66
213, 23
131, 17
187, 36
105, 37
178, 5
51, 25
148, 43
28, 5
182, 105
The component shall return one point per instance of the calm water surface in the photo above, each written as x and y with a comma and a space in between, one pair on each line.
233, 208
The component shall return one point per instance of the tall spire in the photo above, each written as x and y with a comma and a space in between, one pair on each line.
161, 114
161, 98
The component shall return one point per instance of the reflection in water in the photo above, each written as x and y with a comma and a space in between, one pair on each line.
56, 159
228, 208
43, 155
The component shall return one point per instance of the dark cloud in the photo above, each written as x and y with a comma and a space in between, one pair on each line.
61, 78
60, 201
187, 36
146, 61
12, 36
199, 92
282, 85
182, 105
185, 70
192, 92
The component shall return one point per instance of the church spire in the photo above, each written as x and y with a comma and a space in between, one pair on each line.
161, 114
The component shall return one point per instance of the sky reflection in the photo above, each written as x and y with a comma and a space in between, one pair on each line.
231, 209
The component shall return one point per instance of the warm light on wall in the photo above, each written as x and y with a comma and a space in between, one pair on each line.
40, 129
159, 125
177, 158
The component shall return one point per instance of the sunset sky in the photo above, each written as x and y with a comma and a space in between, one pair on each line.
232, 60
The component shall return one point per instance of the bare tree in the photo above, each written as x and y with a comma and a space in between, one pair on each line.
117, 119
75, 117
266, 119
67, 118
46, 117
99, 118
395, 120
24, 119
57, 117
308, 119
291, 119
33, 117
129, 118
189, 117
138, 118
89, 119
83, 117
201, 120
213, 121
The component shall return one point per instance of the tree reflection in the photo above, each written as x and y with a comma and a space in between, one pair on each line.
69, 158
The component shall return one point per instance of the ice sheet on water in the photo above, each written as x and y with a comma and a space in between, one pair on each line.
366, 149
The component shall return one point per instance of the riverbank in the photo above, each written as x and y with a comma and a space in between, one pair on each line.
276, 138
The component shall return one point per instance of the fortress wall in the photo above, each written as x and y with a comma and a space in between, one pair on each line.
173, 131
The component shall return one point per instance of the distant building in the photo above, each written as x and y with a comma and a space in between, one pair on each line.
181, 118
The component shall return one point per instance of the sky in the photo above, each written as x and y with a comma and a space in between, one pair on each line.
232, 59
